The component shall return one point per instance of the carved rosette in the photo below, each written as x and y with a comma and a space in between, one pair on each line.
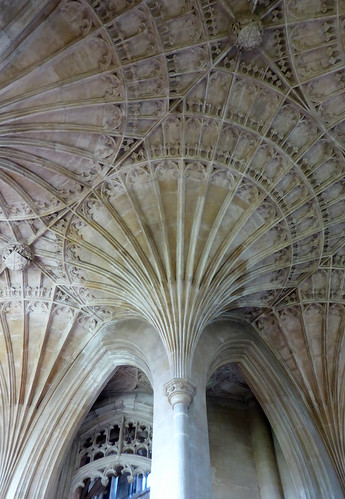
180, 391
16, 256
246, 32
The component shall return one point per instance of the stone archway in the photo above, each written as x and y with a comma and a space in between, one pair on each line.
226, 342
69, 400
245, 458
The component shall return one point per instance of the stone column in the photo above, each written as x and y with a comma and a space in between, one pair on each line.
180, 451
264, 455
180, 393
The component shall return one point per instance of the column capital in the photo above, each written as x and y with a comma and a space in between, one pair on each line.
180, 390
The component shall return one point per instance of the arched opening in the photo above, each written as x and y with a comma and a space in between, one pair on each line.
246, 460
70, 399
111, 453
234, 342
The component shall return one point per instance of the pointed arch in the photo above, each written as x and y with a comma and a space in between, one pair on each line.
226, 342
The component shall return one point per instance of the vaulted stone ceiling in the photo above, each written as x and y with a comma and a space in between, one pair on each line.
176, 161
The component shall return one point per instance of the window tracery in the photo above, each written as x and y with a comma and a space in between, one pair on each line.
114, 445
125, 435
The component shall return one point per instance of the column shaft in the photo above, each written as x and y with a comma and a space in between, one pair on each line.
182, 441
180, 453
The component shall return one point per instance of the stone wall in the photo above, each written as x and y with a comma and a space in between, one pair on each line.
232, 459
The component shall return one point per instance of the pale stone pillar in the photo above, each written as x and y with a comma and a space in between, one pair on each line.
264, 454
180, 452
180, 393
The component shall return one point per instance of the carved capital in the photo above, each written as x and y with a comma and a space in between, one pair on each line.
180, 391
16, 256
